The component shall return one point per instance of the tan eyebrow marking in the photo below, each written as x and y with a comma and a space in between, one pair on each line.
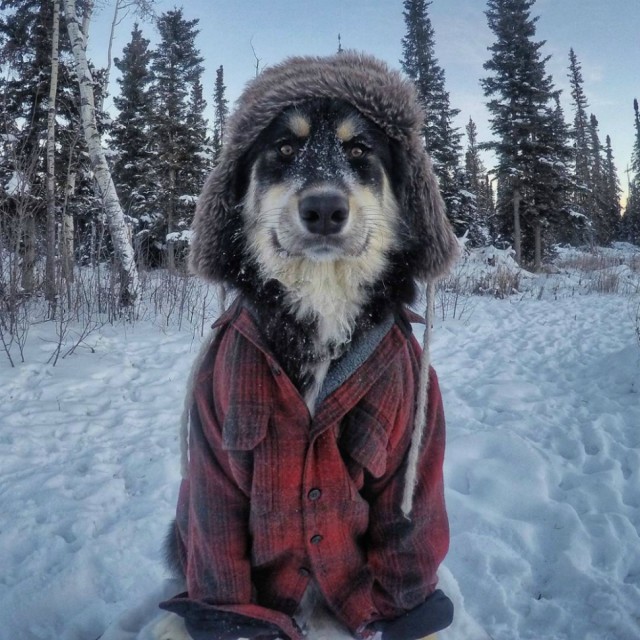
347, 129
299, 125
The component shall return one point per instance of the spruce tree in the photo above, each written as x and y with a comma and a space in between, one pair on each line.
555, 181
132, 167
220, 114
25, 27
524, 121
475, 181
196, 145
442, 139
582, 187
596, 192
473, 165
178, 129
611, 197
631, 220
595, 201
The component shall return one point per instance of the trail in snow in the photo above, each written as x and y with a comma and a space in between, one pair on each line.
89, 458
543, 466
542, 472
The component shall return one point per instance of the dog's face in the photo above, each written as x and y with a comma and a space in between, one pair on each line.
318, 191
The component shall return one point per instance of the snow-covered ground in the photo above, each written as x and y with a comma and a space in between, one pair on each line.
542, 395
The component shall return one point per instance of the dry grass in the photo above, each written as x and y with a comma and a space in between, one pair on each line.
605, 282
589, 262
501, 283
91, 300
603, 273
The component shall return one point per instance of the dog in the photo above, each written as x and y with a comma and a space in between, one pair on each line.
324, 217
320, 216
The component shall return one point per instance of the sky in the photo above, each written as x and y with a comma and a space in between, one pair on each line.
605, 35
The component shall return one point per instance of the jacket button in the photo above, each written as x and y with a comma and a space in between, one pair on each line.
316, 539
314, 494
304, 572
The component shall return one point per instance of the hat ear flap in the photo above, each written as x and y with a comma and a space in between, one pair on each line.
215, 252
434, 246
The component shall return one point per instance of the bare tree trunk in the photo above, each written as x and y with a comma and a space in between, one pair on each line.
50, 264
26, 210
517, 231
86, 20
106, 189
67, 233
114, 22
29, 251
143, 8
171, 255
537, 230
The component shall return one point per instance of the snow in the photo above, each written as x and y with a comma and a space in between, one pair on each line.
180, 236
17, 185
542, 467
541, 391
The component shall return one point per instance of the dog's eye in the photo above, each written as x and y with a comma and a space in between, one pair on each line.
356, 152
286, 150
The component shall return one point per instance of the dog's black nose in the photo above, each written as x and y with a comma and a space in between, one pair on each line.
324, 213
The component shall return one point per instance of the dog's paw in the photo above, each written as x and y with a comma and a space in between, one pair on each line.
170, 627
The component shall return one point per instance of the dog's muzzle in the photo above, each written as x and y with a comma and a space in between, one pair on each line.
324, 213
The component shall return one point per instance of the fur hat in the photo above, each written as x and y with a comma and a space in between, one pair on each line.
380, 94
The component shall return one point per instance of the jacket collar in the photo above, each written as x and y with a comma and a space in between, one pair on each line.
356, 355
243, 317
369, 355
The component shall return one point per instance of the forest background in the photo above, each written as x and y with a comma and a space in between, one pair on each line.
101, 162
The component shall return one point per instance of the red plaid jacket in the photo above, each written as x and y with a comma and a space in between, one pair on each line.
275, 498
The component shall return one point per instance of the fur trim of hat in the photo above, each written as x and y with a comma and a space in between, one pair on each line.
380, 94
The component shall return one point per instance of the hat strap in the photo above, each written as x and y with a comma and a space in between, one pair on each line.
420, 420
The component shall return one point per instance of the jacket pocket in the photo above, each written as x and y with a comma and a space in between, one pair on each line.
364, 439
244, 437
245, 426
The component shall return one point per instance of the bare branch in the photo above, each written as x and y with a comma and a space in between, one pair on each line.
258, 60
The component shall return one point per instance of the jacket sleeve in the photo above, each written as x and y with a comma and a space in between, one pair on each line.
404, 552
213, 515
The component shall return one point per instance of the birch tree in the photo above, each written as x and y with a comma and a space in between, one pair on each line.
50, 266
120, 235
